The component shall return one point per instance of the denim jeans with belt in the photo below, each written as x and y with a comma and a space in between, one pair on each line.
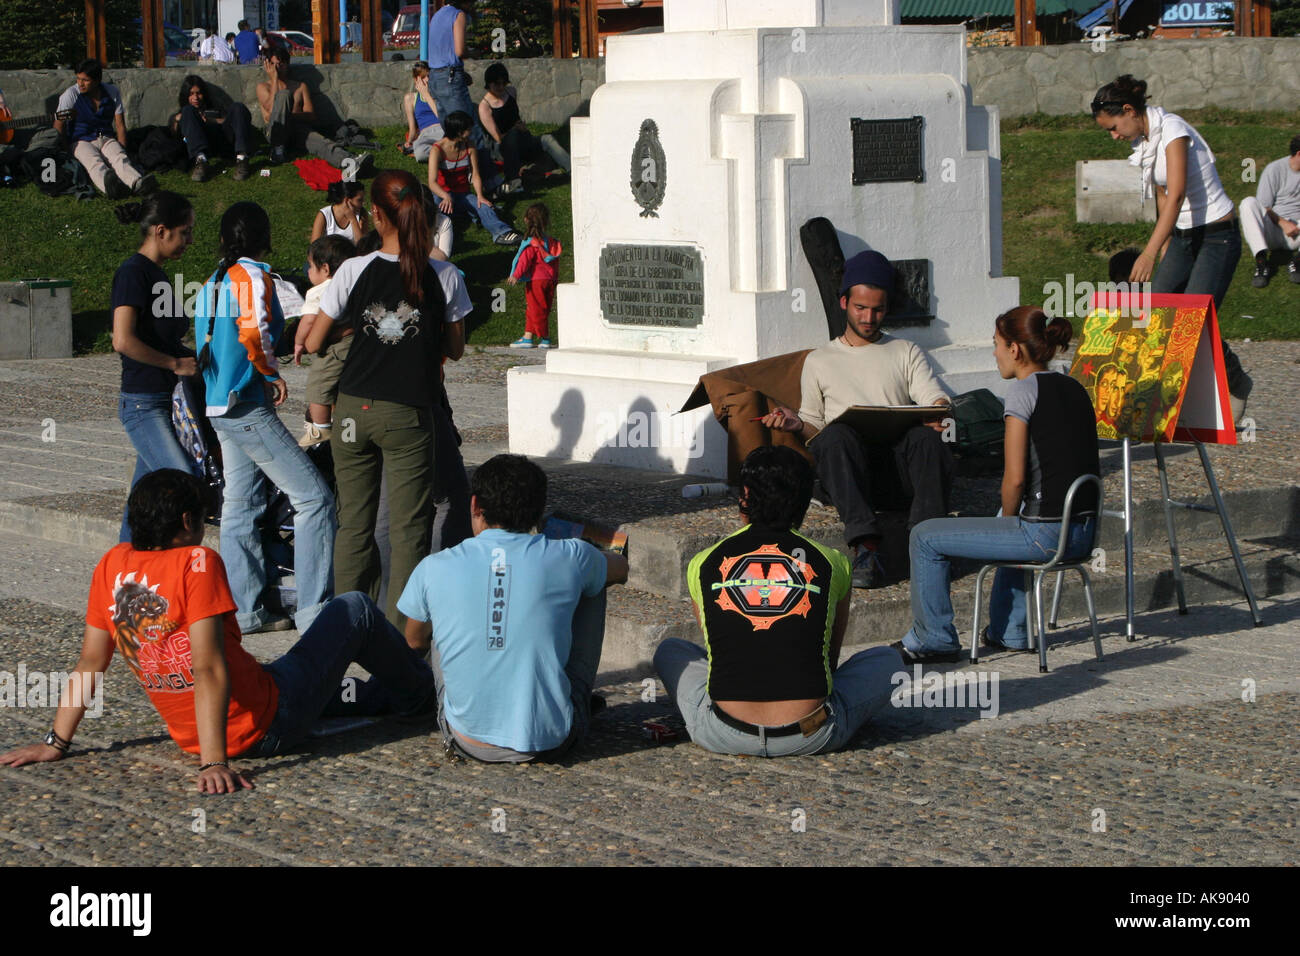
450, 88
1202, 263
860, 688
254, 442
990, 539
310, 675
147, 418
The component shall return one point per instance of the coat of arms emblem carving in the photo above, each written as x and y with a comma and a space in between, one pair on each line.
649, 170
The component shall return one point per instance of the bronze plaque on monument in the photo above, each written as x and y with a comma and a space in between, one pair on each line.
887, 151
909, 302
652, 285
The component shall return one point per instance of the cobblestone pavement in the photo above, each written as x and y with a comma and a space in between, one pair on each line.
1183, 741
1177, 749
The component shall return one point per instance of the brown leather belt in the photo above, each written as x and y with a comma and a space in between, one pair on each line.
807, 726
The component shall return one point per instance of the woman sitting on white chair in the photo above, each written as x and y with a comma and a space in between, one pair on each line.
1051, 439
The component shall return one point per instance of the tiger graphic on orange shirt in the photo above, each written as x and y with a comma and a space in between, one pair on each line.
141, 629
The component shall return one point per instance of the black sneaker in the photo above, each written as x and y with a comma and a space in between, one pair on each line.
242, 170
987, 642
926, 657
145, 185
1263, 272
200, 171
512, 188
1293, 270
508, 238
278, 155
114, 188
868, 572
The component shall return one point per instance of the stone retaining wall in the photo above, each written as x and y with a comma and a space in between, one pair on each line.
550, 91
1235, 72
1255, 73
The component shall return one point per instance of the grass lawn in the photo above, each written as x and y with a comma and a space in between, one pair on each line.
84, 242
1042, 243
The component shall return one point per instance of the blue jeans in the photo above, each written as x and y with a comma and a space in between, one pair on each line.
147, 418
933, 542
860, 688
254, 442
486, 216
348, 629
1203, 264
451, 89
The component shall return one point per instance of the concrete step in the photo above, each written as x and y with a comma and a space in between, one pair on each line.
661, 545
659, 549
637, 621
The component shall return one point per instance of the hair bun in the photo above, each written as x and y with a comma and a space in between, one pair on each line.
1130, 84
1058, 332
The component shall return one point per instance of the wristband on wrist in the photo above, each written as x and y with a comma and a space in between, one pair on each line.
215, 763
58, 743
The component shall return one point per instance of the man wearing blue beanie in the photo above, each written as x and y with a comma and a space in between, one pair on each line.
865, 366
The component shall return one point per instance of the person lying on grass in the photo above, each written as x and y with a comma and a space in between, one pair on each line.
162, 599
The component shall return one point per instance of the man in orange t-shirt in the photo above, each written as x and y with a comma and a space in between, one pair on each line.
163, 601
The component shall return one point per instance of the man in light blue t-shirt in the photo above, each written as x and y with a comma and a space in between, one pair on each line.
516, 621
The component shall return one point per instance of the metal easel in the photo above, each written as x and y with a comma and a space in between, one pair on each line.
1169, 504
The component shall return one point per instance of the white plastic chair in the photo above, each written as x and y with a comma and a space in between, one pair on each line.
1034, 596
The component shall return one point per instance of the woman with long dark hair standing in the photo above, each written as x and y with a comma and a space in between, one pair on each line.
389, 390
1051, 439
149, 323
1195, 217
237, 321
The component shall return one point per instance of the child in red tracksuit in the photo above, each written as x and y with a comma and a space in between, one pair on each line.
535, 263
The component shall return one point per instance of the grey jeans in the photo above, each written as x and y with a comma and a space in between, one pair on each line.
284, 129
860, 688
424, 142
584, 661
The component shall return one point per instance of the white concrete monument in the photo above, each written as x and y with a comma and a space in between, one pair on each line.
707, 148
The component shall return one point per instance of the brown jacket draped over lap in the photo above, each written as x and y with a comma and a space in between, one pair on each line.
743, 392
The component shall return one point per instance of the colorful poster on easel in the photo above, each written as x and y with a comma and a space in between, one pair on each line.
1153, 367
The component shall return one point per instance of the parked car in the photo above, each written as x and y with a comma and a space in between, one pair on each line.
175, 40
297, 41
406, 28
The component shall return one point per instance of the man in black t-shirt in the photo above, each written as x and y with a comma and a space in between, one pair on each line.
773, 607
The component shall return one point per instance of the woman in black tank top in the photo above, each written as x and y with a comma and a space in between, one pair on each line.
498, 113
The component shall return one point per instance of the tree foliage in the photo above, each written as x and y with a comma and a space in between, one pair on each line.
525, 25
1286, 18
37, 34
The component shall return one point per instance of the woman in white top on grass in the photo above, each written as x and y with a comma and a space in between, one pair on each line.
345, 215
1196, 226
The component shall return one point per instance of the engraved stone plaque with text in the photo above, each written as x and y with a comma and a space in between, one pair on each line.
653, 285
